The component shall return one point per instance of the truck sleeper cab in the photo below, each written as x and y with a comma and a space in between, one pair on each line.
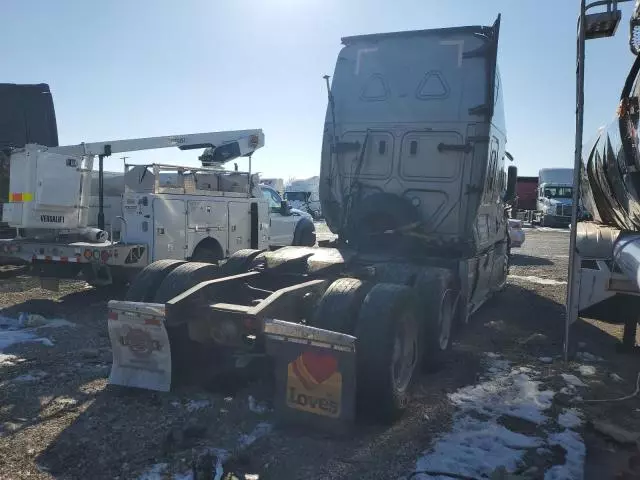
413, 183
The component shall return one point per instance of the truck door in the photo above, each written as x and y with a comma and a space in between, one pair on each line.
281, 227
170, 225
239, 226
490, 226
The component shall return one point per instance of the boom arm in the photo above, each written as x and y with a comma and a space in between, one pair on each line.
247, 142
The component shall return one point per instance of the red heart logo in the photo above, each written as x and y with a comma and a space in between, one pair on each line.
319, 365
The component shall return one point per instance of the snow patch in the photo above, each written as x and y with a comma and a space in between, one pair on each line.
12, 330
570, 418
33, 376
587, 370
588, 357
195, 405
513, 394
9, 360
573, 380
257, 407
156, 472
573, 468
538, 280
546, 359
262, 429
478, 443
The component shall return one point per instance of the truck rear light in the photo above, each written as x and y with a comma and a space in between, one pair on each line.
113, 315
104, 256
88, 254
96, 254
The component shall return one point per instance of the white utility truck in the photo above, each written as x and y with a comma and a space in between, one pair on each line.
205, 215
414, 184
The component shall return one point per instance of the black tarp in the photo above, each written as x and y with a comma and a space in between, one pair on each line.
27, 115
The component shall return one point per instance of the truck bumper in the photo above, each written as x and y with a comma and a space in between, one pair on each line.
556, 220
315, 369
79, 254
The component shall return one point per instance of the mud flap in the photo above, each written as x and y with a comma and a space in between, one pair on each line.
315, 374
140, 346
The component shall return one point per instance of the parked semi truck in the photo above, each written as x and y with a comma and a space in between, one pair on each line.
304, 194
605, 277
413, 182
276, 183
546, 199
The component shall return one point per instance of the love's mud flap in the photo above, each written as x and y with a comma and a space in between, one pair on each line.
140, 346
315, 375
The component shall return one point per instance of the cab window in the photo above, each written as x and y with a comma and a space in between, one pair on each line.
273, 198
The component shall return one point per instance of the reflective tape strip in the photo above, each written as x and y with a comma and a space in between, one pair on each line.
21, 197
49, 258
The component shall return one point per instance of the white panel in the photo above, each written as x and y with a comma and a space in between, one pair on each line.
170, 229
239, 226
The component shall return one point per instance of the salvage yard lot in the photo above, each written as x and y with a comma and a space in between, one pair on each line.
501, 398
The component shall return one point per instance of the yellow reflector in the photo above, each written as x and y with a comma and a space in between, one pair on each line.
21, 197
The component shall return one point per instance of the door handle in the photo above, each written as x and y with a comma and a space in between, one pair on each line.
444, 147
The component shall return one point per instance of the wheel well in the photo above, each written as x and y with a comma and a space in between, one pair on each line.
210, 244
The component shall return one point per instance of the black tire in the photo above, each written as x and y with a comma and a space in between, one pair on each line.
305, 234
183, 278
185, 352
207, 252
239, 262
387, 311
439, 303
339, 307
145, 284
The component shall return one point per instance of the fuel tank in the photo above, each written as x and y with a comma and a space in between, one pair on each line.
610, 183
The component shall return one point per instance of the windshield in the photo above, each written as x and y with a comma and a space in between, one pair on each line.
297, 196
558, 192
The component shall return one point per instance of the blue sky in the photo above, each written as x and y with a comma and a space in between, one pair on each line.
125, 69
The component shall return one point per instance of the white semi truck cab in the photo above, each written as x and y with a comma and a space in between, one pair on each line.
555, 196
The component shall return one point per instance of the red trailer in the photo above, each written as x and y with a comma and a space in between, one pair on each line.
526, 193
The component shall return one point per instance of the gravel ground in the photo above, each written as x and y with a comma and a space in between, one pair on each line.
59, 418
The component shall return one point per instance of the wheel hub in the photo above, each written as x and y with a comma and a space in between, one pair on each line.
405, 352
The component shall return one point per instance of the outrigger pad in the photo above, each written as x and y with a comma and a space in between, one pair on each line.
315, 375
140, 346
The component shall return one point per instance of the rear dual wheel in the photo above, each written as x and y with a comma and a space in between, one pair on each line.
384, 321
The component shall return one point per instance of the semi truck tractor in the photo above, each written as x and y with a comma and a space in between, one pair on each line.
413, 183
554, 199
303, 194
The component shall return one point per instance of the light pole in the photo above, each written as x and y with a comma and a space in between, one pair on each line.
590, 26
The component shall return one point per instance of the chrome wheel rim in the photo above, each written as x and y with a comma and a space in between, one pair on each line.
446, 314
405, 352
